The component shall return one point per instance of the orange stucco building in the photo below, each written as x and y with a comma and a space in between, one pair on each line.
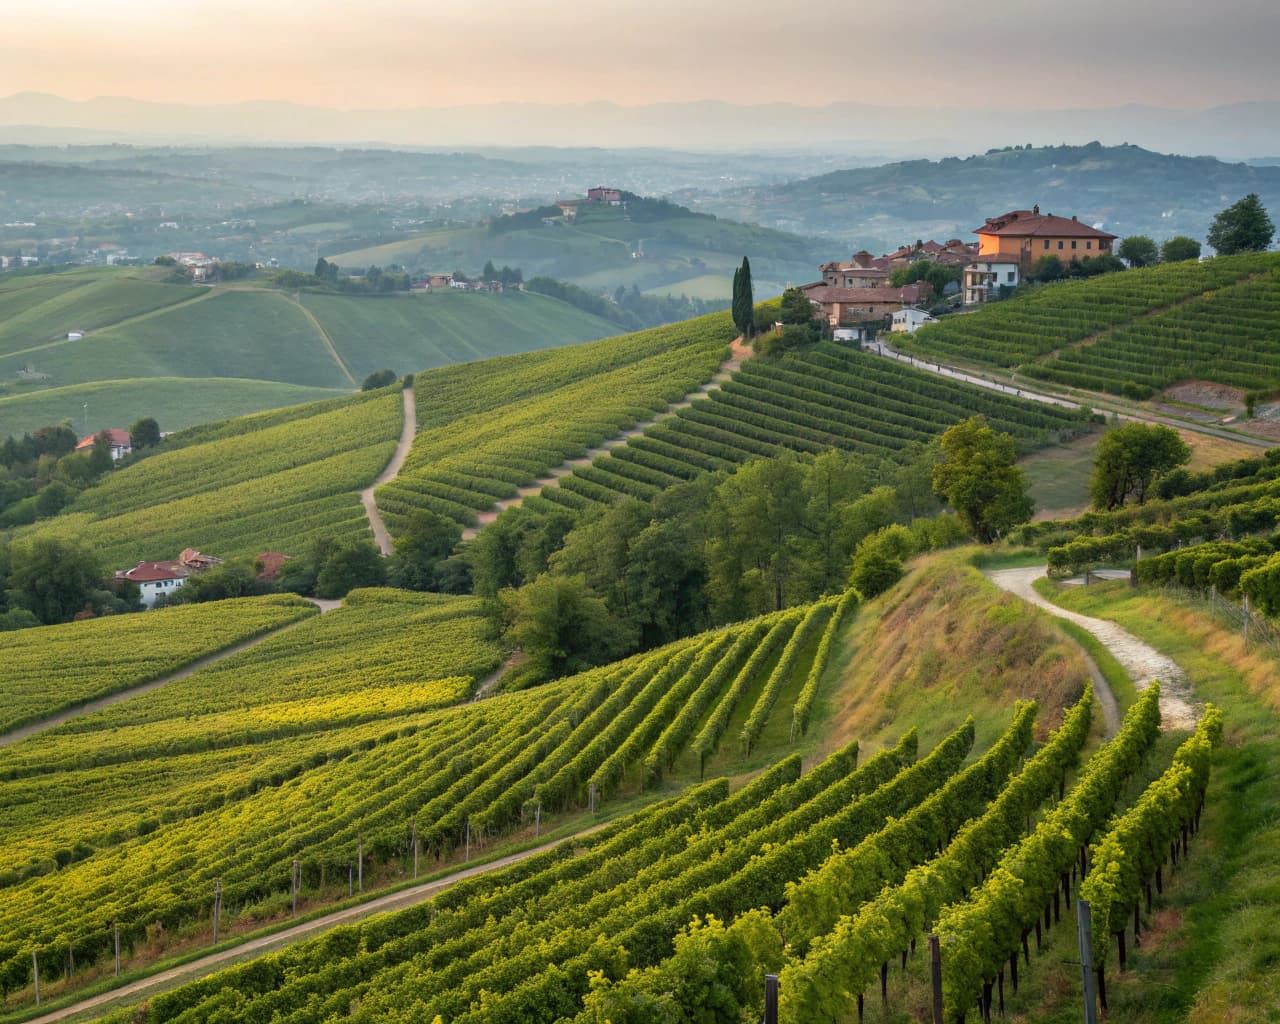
1027, 235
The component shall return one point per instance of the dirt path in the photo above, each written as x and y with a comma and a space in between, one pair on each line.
1140, 660
942, 370
489, 683
739, 353
205, 965
392, 470
324, 337
27, 731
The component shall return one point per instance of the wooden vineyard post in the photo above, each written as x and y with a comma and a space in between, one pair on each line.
1084, 923
592, 798
935, 975
217, 908
117, 944
537, 820
293, 884
351, 885
35, 971
360, 863
770, 999
413, 841
1244, 626
467, 855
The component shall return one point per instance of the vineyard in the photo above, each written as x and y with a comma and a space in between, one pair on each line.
829, 397
257, 755
254, 485
488, 429
104, 656
1214, 320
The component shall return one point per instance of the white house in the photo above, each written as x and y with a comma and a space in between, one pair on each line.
986, 275
908, 319
119, 441
155, 579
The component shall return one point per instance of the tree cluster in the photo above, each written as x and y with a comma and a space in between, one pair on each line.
1130, 460
937, 274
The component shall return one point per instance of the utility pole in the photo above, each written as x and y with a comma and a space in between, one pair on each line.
770, 999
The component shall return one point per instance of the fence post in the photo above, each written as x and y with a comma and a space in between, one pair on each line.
1244, 629
117, 934
1085, 926
360, 863
35, 970
537, 820
935, 976
770, 999
293, 884
413, 833
467, 859
217, 908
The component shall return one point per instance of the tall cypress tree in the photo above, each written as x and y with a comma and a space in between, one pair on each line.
743, 303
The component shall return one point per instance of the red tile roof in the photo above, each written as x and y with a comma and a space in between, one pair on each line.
993, 258
115, 436
820, 291
1033, 224
150, 572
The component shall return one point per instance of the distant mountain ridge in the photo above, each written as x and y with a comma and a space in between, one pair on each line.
1237, 131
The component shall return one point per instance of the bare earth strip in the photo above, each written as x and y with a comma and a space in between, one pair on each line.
400, 900
27, 731
392, 470
740, 352
1140, 660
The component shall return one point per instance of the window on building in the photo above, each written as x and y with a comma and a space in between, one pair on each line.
1046, 243
1088, 245
1059, 243
1012, 276
1073, 243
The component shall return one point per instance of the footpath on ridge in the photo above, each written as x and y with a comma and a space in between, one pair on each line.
881, 348
194, 969
740, 351
407, 433
1140, 660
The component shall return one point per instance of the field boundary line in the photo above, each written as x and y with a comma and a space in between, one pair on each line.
740, 352
325, 340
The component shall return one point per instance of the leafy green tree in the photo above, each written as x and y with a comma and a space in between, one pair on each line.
145, 433
421, 547
877, 563
795, 308
231, 579
1047, 268
355, 564
1241, 227
743, 302
977, 474
100, 460
562, 625
1138, 251
1130, 459
53, 579
378, 379
1179, 248
53, 498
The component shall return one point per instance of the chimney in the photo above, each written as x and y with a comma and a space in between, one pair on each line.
1036, 210
1074, 217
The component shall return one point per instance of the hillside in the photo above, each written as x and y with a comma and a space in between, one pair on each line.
651, 245
1132, 333
138, 328
1124, 189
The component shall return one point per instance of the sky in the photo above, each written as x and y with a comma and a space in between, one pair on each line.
407, 53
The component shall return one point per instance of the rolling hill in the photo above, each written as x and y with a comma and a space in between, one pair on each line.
187, 353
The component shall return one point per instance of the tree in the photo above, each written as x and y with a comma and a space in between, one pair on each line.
1138, 251
976, 473
53, 579
378, 379
1179, 248
1130, 459
1241, 227
355, 564
1047, 268
743, 303
100, 460
425, 542
145, 433
562, 625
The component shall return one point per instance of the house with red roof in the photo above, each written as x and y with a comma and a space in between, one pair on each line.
155, 579
1030, 234
864, 307
120, 442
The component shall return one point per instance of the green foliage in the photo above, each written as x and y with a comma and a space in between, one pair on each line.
145, 433
1138, 251
1242, 227
1130, 459
743, 302
1178, 248
378, 379
53, 579
425, 542
356, 563
561, 624
1047, 268
978, 476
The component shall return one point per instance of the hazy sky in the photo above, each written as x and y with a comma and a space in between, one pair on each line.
405, 53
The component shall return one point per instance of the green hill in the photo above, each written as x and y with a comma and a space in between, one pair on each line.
655, 246
265, 347
1133, 332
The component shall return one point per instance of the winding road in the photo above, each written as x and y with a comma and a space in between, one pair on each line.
739, 353
407, 433
1140, 660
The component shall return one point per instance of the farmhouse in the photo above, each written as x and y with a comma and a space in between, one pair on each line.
120, 442
1029, 234
861, 271
155, 579
848, 307
600, 194
986, 275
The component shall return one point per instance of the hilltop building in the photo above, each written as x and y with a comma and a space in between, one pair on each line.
608, 196
119, 441
1029, 234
